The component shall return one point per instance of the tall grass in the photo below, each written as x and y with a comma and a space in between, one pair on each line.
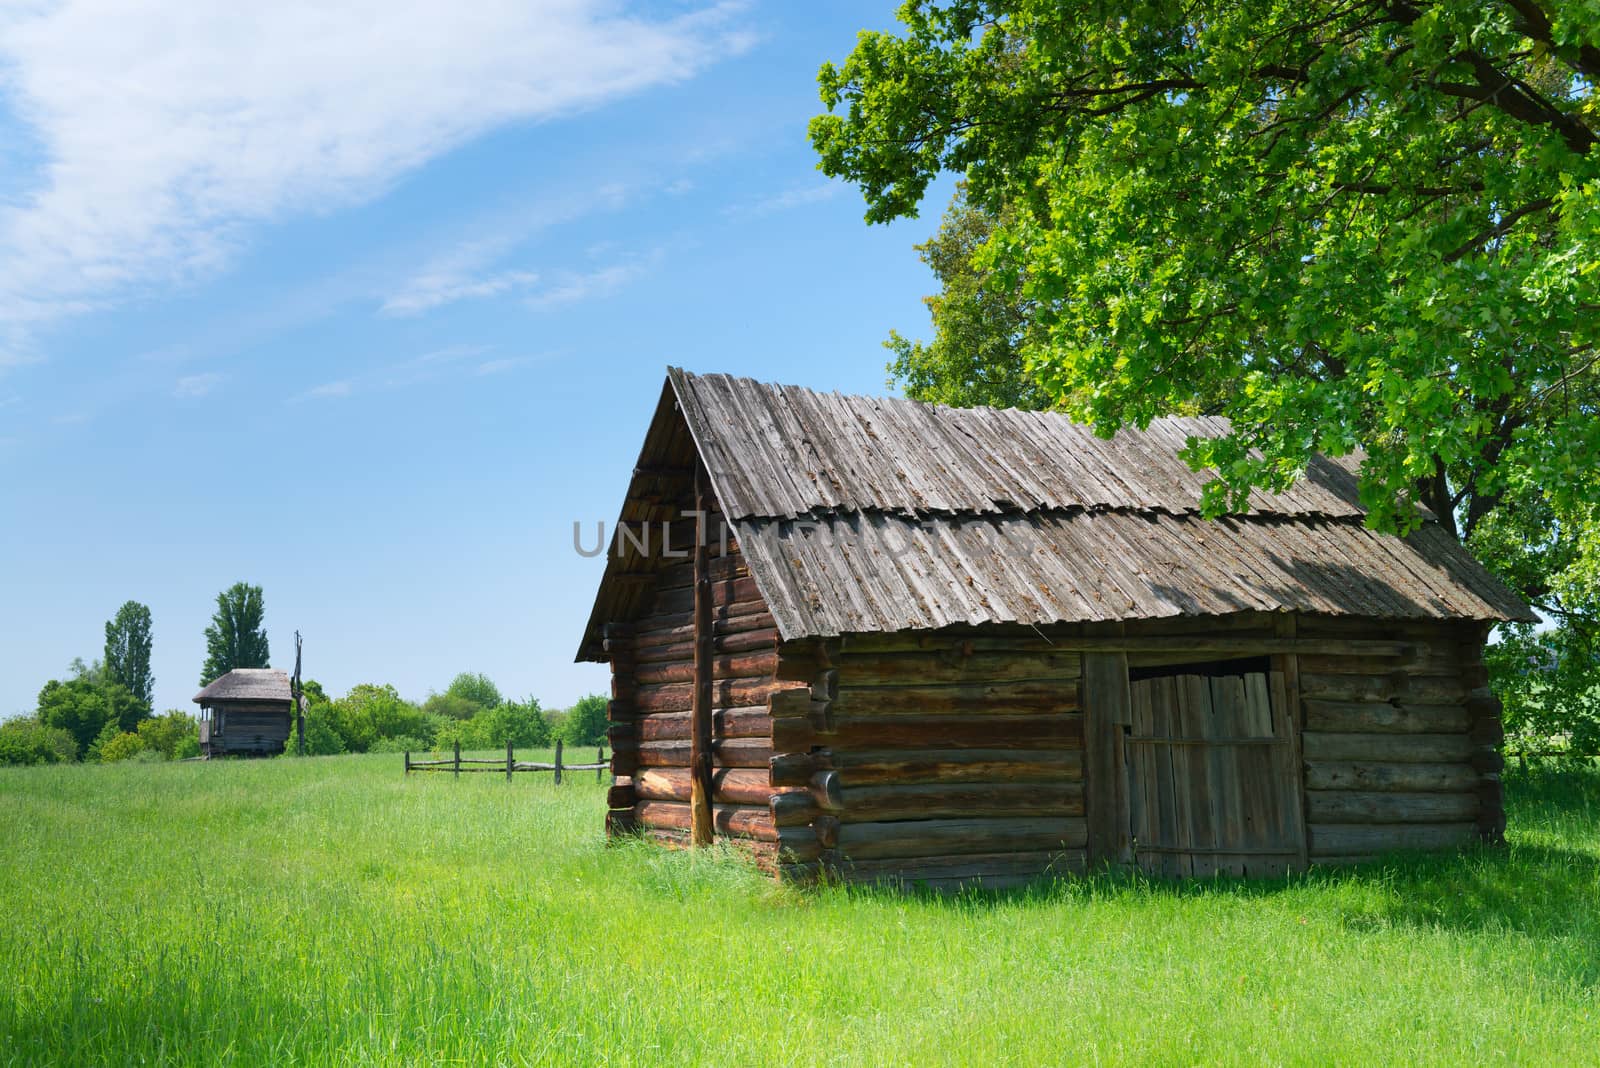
332, 911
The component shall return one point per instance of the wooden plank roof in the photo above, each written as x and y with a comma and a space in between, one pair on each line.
861, 514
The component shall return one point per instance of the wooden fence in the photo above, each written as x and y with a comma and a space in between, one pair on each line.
510, 765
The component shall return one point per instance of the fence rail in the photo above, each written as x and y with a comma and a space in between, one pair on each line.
457, 765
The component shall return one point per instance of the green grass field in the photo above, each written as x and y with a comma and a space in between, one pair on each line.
333, 911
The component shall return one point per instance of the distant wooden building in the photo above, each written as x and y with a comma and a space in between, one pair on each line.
967, 645
248, 711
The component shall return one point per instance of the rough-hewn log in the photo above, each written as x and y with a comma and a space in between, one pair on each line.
726, 666
1336, 839
1349, 806
866, 804
826, 789
794, 769
725, 592
1424, 778
1060, 731
679, 696
719, 568
729, 753
910, 870
794, 809
922, 838
953, 668
622, 795
909, 766
972, 699
678, 628
1425, 660
763, 639
619, 711
751, 722
1391, 748
701, 598
740, 786
1382, 718
753, 821
1388, 687
621, 822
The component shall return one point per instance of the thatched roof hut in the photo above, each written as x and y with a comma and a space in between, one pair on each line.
248, 711
934, 635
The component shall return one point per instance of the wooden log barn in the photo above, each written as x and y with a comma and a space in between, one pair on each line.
905, 642
248, 711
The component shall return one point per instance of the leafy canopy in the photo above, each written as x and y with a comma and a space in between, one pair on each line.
1342, 224
128, 651
236, 638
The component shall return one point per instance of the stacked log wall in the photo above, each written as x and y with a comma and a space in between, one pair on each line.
652, 683
1399, 754
933, 760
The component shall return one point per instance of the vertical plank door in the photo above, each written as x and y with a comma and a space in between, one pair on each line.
1213, 778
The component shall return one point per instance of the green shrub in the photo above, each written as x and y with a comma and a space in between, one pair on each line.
187, 748
165, 733
402, 744
322, 739
520, 724
27, 741
119, 747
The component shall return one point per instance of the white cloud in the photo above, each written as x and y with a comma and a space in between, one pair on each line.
340, 388
168, 127
494, 367
573, 287
787, 200
197, 385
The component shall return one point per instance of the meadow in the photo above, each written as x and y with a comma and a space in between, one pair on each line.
330, 910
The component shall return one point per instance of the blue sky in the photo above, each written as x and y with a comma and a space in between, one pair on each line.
368, 306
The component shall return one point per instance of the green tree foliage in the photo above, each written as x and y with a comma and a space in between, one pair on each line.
1549, 686
86, 704
450, 706
167, 734
585, 722
979, 320
236, 637
1365, 224
127, 654
475, 688
370, 712
25, 740
322, 736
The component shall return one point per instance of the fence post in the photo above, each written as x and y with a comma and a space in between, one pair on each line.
458, 758
408, 762
558, 761
508, 760
600, 759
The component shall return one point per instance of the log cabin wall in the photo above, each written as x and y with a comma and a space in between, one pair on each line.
1399, 755
652, 684
933, 760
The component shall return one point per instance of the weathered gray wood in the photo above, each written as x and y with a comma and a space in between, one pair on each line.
1062, 730
871, 767
954, 668
865, 804
1382, 718
925, 838
910, 870
1391, 748
1337, 839
1351, 806
970, 699
1373, 775
1395, 685
1107, 710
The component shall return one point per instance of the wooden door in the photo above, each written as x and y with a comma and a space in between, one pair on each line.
1212, 781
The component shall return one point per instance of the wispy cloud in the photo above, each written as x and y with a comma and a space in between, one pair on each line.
167, 129
789, 199
340, 388
572, 287
197, 385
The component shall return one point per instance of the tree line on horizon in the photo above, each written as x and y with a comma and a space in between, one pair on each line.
102, 712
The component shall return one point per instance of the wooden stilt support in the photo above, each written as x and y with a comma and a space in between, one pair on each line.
700, 789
